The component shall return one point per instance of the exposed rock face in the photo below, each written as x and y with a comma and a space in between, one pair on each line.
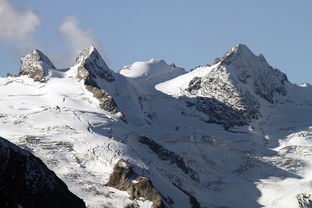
194, 85
170, 156
216, 60
106, 101
36, 65
92, 69
125, 179
265, 80
222, 86
218, 112
235, 84
305, 200
26, 182
93, 66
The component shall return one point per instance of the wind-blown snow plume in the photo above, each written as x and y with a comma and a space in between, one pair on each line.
17, 25
76, 38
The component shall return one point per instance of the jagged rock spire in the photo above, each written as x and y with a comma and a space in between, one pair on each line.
36, 65
92, 64
92, 69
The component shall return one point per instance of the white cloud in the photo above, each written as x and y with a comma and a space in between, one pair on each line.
15, 23
75, 38
17, 28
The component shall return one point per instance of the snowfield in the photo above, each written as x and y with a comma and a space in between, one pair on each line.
224, 139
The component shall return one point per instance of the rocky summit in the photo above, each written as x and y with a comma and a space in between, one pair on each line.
36, 65
91, 65
265, 81
236, 133
93, 71
232, 90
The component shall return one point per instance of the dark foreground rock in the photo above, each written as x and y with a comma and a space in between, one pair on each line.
36, 65
125, 179
26, 182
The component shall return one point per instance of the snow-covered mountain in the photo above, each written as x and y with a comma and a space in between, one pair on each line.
239, 83
233, 134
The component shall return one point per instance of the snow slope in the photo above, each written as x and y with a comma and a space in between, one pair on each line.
145, 75
238, 135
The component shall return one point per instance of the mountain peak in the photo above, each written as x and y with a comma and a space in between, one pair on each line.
92, 64
36, 65
238, 52
253, 70
151, 72
87, 52
239, 48
95, 74
238, 83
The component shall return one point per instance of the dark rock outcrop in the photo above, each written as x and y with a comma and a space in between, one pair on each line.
194, 85
36, 65
230, 92
218, 112
305, 200
216, 60
11, 75
26, 182
124, 178
170, 156
106, 101
91, 68
266, 81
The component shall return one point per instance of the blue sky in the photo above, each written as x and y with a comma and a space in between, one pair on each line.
187, 33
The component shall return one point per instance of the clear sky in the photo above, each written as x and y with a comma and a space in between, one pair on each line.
187, 33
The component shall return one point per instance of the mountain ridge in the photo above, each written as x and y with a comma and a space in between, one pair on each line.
207, 132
